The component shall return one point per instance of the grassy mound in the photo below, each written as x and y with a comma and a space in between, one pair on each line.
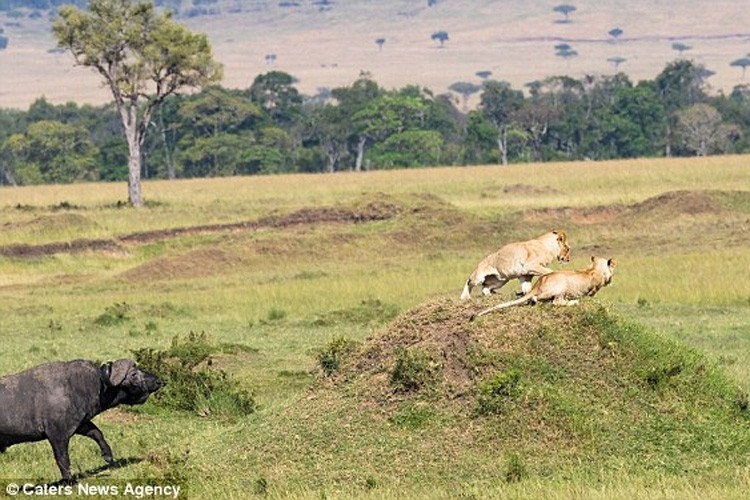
545, 387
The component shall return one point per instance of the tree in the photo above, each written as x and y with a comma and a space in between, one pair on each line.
440, 36
566, 53
615, 33
565, 9
499, 104
466, 90
380, 42
616, 61
680, 47
679, 85
386, 115
703, 129
215, 124
52, 152
484, 74
143, 56
742, 62
276, 94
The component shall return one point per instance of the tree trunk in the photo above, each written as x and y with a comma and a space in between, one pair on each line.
134, 174
502, 145
8, 176
134, 164
129, 116
360, 154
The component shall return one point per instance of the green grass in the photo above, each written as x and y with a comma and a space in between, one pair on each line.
285, 294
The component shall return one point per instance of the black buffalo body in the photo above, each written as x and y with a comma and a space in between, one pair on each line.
56, 400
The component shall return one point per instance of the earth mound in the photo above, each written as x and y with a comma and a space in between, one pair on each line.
565, 383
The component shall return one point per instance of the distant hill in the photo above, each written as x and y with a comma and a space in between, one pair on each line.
327, 43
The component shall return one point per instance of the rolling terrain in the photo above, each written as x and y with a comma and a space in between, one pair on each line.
330, 46
332, 301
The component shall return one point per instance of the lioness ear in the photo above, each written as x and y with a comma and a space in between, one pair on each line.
611, 262
119, 371
593, 258
561, 236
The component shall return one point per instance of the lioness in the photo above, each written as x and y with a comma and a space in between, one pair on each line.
565, 288
519, 260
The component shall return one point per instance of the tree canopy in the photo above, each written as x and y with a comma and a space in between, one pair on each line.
143, 57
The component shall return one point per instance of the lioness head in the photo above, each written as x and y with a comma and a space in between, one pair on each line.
606, 267
562, 240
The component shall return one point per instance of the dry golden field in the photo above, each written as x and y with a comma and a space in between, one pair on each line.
513, 39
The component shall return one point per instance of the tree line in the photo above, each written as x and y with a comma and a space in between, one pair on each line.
270, 127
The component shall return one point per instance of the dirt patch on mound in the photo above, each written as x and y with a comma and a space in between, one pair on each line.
462, 353
680, 202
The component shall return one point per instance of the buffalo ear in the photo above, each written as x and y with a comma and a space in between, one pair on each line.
119, 371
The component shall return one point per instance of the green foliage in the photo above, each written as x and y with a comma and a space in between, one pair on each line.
52, 152
334, 353
265, 129
497, 392
115, 314
191, 383
413, 370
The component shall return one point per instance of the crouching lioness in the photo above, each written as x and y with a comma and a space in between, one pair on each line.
520, 260
565, 288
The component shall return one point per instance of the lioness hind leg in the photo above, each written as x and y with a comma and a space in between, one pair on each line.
562, 301
491, 283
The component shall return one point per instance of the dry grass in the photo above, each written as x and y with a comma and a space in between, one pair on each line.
331, 49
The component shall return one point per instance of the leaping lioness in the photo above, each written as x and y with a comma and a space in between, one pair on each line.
565, 288
520, 260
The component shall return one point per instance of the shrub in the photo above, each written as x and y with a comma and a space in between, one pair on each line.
332, 355
114, 315
495, 393
191, 384
413, 370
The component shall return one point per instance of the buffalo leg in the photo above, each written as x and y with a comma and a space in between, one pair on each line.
90, 430
60, 449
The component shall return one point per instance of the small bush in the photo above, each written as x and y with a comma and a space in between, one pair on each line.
413, 370
191, 384
114, 315
332, 355
494, 394
276, 314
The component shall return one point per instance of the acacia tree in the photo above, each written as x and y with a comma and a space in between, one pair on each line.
499, 103
143, 56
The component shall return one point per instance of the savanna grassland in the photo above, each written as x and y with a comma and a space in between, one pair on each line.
329, 47
331, 300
